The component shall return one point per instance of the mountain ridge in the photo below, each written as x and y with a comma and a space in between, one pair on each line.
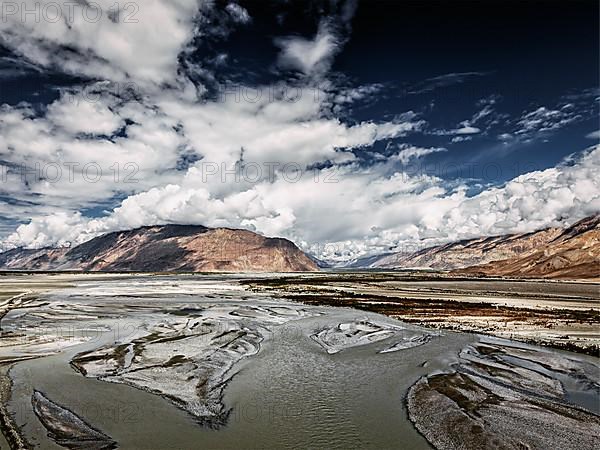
575, 253
571, 252
468, 256
168, 248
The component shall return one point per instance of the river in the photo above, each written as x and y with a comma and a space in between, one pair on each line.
291, 394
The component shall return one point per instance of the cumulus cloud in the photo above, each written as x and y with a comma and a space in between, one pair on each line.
531, 201
140, 41
78, 116
168, 155
65, 160
432, 213
156, 152
85, 152
349, 211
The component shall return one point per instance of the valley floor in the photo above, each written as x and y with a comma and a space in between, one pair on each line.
560, 314
297, 360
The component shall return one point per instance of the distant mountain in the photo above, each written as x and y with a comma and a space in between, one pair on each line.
364, 262
168, 248
468, 252
573, 252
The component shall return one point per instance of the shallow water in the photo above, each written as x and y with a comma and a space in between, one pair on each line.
292, 394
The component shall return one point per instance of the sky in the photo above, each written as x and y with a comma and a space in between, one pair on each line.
351, 127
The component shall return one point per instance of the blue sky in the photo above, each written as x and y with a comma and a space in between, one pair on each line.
406, 123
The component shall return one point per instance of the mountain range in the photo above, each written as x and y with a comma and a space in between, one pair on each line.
168, 248
572, 252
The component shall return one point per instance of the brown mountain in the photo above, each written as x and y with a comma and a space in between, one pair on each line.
575, 253
552, 252
469, 252
176, 248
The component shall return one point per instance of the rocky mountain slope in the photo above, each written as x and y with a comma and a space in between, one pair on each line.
552, 252
178, 248
575, 253
469, 252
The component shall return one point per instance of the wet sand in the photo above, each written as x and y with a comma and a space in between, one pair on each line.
502, 395
226, 361
560, 314
291, 393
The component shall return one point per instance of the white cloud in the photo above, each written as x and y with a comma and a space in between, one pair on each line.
87, 39
162, 129
51, 166
543, 120
77, 115
339, 208
348, 211
529, 202
160, 135
358, 93
310, 56
467, 129
461, 138
238, 13
594, 135
408, 153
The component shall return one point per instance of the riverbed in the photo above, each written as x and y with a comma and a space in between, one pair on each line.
161, 362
